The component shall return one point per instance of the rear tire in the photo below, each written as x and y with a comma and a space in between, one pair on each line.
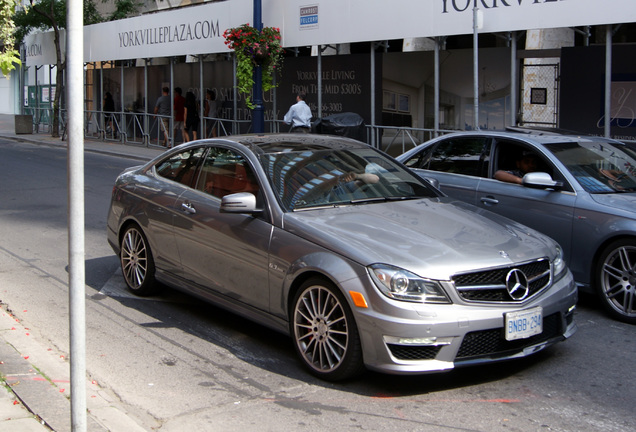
137, 264
324, 331
616, 279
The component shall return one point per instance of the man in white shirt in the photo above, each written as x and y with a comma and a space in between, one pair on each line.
299, 115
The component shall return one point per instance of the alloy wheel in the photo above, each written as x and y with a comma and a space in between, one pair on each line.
618, 281
324, 331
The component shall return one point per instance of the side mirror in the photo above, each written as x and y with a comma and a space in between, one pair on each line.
541, 180
241, 202
432, 181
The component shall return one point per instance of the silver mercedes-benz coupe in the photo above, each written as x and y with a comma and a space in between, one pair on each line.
335, 243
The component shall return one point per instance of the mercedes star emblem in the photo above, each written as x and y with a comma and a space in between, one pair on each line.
517, 284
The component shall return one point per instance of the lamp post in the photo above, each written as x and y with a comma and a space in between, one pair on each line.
258, 113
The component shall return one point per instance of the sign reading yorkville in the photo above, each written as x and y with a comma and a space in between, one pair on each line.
198, 29
169, 34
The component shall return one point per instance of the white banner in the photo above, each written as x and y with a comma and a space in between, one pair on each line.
199, 29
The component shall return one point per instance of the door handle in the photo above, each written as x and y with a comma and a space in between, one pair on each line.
489, 201
188, 208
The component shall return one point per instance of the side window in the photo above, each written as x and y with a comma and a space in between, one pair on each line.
468, 156
519, 159
510, 154
419, 159
225, 172
182, 167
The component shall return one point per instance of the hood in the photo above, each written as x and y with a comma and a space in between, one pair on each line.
621, 201
434, 238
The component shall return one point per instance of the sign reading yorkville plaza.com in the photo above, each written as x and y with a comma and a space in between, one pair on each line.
199, 29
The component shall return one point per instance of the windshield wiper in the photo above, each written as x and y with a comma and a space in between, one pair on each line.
384, 199
368, 200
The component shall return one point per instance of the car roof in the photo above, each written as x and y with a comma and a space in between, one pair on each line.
534, 135
289, 142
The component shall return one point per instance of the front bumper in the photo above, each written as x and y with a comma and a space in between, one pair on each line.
399, 337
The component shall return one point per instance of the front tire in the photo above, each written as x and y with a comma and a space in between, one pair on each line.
616, 279
324, 331
137, 264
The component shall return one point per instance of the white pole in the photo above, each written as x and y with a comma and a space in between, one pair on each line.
513, 79
608, 80
476, 25
77, 306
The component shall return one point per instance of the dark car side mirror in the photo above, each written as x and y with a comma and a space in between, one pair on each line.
432, 181
541, 180
241, 202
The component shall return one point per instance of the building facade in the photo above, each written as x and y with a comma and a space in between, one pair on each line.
415, 68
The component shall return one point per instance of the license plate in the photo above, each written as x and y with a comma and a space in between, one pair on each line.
523, 324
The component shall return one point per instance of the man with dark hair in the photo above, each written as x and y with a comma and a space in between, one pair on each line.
526, 163
162, 107
299, 115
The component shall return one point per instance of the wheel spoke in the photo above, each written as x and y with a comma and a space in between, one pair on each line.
305, 317
612, 271
331, 356
615, 290
336, 342
624, 257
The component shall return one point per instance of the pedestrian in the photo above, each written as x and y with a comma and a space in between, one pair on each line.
162, 108
299, 115
109, 108
210, 111
179, 101
191, 114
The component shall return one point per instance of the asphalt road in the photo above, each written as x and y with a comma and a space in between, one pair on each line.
176, 364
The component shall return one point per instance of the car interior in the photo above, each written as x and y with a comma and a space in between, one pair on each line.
508, 153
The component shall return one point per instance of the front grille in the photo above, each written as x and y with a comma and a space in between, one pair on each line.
490, 285
413, 352
492, 342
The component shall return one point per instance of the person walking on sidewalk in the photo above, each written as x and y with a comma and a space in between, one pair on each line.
109, 109
191, 115
299, 115
179, 103
162, 108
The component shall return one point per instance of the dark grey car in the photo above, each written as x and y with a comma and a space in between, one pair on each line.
582, 194
329, 240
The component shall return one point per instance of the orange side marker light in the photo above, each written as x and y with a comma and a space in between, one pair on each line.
358, 299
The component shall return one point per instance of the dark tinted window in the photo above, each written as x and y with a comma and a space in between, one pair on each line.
226, 172
466, 155
182, 167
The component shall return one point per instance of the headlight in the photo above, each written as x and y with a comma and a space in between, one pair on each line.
558, 265
400, 284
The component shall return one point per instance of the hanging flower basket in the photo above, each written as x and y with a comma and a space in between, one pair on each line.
255, 48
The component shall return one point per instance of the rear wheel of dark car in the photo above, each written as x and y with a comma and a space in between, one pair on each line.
324, 331
616, 279
136, 262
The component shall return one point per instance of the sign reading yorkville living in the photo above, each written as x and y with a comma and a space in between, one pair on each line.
345, 84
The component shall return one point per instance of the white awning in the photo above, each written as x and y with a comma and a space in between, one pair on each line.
199, 29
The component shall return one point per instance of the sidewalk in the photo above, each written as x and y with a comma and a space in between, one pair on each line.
36, 393
7, 130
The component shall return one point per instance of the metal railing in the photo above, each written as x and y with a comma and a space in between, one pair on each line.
396, 140
138, 128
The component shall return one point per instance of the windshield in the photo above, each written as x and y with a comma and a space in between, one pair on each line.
599, 167
318, 178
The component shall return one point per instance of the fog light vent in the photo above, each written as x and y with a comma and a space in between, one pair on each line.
414, 352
